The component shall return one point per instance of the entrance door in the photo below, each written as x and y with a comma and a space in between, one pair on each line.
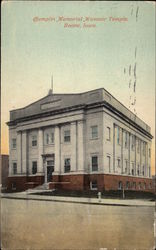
50, 169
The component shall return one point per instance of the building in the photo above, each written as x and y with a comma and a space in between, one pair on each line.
4, 170
79, 142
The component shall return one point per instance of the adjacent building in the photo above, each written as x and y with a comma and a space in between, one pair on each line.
4, 170
79, 142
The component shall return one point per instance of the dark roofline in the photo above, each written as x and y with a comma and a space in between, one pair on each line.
56, 95
84, 107
80, 104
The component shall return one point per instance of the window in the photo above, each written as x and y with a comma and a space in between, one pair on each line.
108, 134
126, 139
118, 160
14, 143
143, 170
34, 140
138, 170
14, 168
150, 185
67, 136
127, 185
134, 185
118, 135
140, 185
13, 186
133, 142
34, 167
144, 185
94, 130
149, 171
50, 163
94, 163
149, 152
108, 163
49, 138
138, 146
93, 185
144, 148
52, 137
126, 166
120, 186
67, 165
132, 168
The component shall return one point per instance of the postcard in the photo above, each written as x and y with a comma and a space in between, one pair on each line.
78, 125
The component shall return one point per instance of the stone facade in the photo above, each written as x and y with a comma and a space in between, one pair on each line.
79, 141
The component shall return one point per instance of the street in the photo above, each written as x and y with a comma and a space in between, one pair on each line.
32, 224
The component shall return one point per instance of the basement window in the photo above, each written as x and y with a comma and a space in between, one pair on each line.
134, 185
93, 185
13, 186
139, 185
127, 185
120, 185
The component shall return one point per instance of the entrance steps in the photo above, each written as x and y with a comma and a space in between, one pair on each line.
44, 186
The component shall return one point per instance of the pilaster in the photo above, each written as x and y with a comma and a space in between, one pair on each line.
40, 151
80, 136
24, 152
57, 151
74, 149
19, 152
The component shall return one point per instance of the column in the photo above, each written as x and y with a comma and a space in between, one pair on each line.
146, 159
129, 153
122, 142
73, 142
135, 164
57, 151
10, 153
24, 152
19, 152
40, 151
140, 158
114, 142
45, 170
80, 137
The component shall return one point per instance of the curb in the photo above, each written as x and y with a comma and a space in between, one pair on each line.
76, 202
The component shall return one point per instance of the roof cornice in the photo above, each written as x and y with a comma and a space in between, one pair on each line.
84, 107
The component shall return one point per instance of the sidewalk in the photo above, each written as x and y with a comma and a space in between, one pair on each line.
28, 195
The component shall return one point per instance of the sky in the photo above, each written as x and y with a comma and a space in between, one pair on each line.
113, 47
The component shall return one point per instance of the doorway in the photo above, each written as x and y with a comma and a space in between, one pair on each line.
50, 169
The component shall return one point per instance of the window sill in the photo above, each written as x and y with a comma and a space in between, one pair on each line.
33, 147
50, 144
94, 138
